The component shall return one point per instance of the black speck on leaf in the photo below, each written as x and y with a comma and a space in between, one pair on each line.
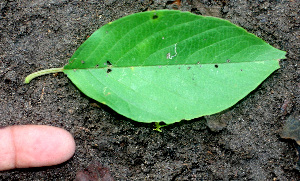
154, 16
216, 66
108, 71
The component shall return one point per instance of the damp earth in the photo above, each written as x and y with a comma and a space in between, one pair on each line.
241, 143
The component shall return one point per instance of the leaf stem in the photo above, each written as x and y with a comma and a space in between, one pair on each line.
42, 72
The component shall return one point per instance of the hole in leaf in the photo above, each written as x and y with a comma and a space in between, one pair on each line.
108, 62
154, 16
216, 66
108, 71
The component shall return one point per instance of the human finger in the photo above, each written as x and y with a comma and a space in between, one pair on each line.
26, 146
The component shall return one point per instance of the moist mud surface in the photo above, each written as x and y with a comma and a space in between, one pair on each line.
241, 143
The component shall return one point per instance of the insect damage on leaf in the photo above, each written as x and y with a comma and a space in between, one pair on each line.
166, 65
169, 56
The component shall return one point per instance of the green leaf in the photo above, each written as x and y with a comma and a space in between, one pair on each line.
169, 65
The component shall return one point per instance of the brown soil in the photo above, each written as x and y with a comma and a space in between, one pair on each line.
37, 35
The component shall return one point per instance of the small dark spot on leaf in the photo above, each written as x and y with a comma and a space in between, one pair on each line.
108, 71
216, 66
108, 62
97, 66
179, 67
198, 63
154, 16
189, 68
227, 60
82, 61
241, 70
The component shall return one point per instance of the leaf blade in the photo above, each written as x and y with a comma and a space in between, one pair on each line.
144, 80
179, 67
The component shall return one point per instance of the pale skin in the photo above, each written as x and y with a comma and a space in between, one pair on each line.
25, 146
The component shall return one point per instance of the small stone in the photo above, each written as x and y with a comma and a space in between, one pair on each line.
11, 76
291, 128
217, 122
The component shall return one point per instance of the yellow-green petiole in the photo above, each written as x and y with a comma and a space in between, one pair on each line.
42, 72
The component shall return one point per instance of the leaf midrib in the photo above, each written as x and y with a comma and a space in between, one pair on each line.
196, 64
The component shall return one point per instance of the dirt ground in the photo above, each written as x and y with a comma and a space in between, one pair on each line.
242, 143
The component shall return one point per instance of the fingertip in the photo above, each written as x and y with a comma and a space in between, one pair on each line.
37, 146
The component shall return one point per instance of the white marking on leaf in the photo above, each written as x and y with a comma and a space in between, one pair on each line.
169, 56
